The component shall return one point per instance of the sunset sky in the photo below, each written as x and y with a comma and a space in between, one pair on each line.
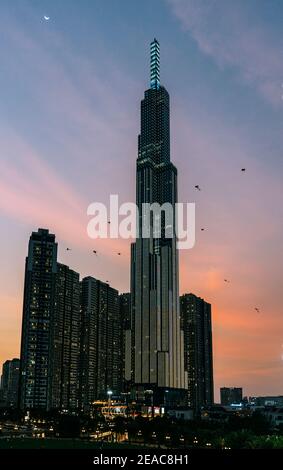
69, 119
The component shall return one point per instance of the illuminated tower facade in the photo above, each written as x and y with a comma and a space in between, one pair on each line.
158, 339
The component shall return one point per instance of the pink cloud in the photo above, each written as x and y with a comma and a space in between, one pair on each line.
243, 220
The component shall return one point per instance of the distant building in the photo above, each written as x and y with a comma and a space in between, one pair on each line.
274, 416
216, 412
37, 323
196, 324
267, 401
10, 383
101, 342
185, 414
231, 395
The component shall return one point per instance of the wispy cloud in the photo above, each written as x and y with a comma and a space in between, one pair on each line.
79, 110
224, 31
64, 154
81, 114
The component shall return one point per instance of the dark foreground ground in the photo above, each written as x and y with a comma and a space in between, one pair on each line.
57, 443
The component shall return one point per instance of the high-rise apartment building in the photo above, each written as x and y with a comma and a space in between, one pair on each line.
196, 323
51, 329
65, 340
101, 353
37, 323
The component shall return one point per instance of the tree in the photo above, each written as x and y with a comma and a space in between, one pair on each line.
119, 426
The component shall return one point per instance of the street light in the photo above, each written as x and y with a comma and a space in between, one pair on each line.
150, 392
165, 400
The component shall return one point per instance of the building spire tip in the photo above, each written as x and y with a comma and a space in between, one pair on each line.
154, 64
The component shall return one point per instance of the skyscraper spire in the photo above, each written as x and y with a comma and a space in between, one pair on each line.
158, 345
154, 64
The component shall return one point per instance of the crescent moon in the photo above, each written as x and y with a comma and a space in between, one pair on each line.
46, 17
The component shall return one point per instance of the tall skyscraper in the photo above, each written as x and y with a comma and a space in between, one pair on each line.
38, 312
10, 383
158, 358
196, 323
65, 340
101, 341
230, 395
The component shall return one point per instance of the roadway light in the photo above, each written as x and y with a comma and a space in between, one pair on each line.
109, 393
